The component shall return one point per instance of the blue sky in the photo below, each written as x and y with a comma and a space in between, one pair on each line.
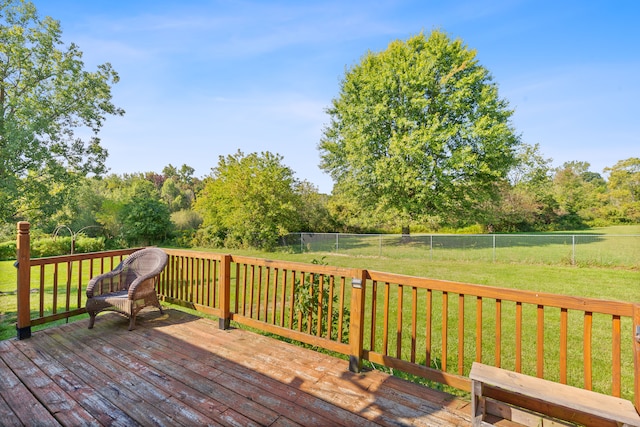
204, 78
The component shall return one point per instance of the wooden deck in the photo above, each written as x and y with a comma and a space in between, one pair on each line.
178, 369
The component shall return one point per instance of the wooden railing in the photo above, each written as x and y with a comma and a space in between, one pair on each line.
433, 329
436, 329
52, 288
309, 303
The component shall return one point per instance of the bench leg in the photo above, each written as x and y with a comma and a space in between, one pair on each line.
477, 404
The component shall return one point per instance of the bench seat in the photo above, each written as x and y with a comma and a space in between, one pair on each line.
556, 400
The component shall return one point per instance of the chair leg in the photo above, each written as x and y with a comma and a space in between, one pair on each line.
92, 320
132, 322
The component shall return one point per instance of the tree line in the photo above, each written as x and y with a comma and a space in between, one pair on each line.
418, 139
252, 200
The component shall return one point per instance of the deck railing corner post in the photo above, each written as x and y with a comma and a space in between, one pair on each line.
23, 246
225, 292
356, 326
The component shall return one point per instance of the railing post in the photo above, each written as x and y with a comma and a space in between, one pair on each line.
356, 326
23, 326
224, 283
494, 248
636, 356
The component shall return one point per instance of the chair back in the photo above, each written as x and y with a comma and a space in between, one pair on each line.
147, 262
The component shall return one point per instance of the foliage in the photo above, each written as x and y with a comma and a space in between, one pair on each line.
47, 99
82, 208
248, 201
54, 246
186, 219
526, 201
110, 197
86, 244
179, 187
7, 231
314, 213
308, 294
145, 221
186, 223
624, 190
7, 250
418, 130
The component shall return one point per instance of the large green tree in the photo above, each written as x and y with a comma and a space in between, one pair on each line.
624, 190
249, 201
179, 187
49, 104
579, 193
418, 130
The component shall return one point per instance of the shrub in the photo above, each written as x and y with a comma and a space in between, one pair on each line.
7, 251
186, 219
50, 246
53, 246
86, 244
470, 229
307, 295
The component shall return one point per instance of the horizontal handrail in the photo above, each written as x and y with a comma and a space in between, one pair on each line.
507, 294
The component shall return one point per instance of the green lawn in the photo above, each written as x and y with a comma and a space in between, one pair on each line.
604, 247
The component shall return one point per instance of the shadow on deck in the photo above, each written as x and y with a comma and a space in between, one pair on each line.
179, 369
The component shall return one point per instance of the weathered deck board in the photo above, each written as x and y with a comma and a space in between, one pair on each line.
178, 369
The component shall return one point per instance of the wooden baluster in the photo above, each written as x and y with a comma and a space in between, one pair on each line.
616, 357
564, 333
588, 370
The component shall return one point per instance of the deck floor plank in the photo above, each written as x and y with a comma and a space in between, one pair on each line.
179, 369
84, 394
107, 387
111, 362
209, 381
277, 393
22, 403
65, 409
258, 354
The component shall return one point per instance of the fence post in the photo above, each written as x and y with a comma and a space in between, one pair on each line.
431, 247
23, 326
494, 248
224, 283
636, 356
356, 326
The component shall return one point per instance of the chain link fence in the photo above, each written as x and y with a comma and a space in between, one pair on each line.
568, 249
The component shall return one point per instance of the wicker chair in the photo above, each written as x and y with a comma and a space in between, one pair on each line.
129, 287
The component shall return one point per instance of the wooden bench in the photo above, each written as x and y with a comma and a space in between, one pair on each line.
552, 399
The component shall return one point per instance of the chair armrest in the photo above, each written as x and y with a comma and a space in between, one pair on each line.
142, 286
93, 285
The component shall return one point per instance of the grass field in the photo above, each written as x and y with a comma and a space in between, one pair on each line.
605, 247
